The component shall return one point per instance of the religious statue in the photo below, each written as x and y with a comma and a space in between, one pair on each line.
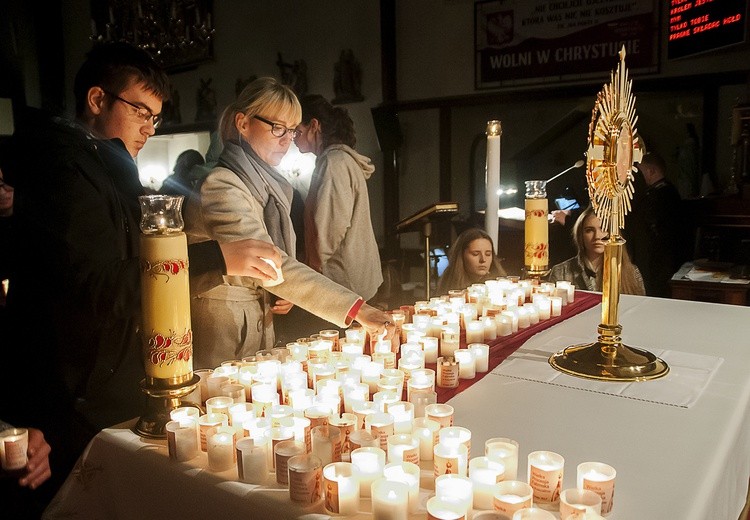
293, 74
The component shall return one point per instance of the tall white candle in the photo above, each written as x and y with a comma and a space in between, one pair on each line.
492, 181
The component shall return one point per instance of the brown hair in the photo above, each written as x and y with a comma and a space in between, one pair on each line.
455, 275
630, 280
336, 126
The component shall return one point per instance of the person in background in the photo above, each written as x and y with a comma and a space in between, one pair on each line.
471, 259
246, 197
339, 239
585, 269
180, 182
656, 227
74, 301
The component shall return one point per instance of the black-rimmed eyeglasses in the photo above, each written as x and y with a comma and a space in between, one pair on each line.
142, 113
277, 129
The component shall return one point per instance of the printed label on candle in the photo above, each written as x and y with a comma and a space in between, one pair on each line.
332, 495
448, 375
445, 465
382, 433
605, 489
411, 455
443, 420
547, 484
305, 486
282, 473
15, 454
172, 445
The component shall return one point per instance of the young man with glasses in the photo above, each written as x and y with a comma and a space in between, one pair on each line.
74, 298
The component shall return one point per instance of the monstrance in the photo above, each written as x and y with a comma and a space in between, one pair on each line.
613, 148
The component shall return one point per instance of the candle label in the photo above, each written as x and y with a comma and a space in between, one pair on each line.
547, 484
165, 268
382, 433
449, 375
605, 489
15, 454
332, 495
305, 486
282, 468
445, 465
172, 444
411, 455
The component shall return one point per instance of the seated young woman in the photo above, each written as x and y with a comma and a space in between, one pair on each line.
471, 260
585, 269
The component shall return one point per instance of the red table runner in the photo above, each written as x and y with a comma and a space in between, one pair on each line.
504, 346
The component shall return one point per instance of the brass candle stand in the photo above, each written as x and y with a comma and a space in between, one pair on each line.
167, 337
613, 148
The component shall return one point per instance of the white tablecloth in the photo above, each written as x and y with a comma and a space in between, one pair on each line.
672, 462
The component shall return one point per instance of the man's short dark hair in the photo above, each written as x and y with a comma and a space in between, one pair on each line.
114, 67
655, 160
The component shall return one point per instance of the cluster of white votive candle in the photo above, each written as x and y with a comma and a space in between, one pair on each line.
332, 423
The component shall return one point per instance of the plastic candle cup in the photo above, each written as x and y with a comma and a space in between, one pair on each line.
545, 476
403, 415
282, 452
347, 423
305, 478
556, 303
511, 496
341, 488
440, 413
421, 400
370, 462
474, 332
448, 371
381, 426
221, 450
384, 399
182, 439
356, 392
445, 509
409, 474
219, 404
455, 435
481, 356
234, 391
252, 461
466, 363
485, 474
505, 451
363, 439
207, 424
402, 447
326, 443
449, 341
455, 487
575, 500
449, 459
318, 415
533, 513
600, 478
390, 500
426, 432
362, 410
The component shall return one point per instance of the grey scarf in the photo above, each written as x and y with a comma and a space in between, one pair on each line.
269, 188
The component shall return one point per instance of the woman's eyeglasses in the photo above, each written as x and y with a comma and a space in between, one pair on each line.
277, 129
142, 113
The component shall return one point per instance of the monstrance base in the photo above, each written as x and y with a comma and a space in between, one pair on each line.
161, 401
609, 362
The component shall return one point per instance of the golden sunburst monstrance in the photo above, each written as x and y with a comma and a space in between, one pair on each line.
613, 148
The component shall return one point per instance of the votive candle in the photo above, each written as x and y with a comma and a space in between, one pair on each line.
370, 462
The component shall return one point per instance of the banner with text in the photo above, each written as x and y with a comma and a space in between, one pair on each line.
535, 41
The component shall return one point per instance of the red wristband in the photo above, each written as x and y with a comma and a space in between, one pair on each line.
353, 311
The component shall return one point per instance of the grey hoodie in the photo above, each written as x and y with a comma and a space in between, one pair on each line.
339, 240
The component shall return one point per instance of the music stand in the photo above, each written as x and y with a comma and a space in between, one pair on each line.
422, 221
